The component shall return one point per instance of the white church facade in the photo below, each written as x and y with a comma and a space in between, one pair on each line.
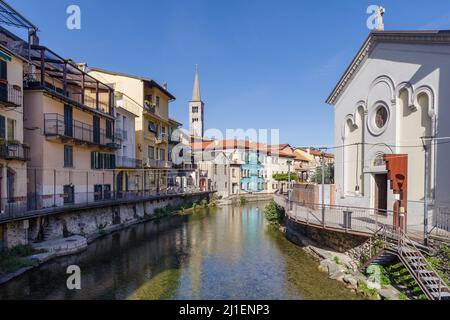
394, 98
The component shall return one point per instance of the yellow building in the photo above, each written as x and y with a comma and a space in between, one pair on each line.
13, 153
150, 102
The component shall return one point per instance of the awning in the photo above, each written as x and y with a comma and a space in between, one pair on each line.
5, 56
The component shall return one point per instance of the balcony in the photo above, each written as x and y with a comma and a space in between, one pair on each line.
126, 162
14, 151
157, 164
79, 132
121, 135
150, 107
95, 100
161, 138
174, 138
185, 166
11, 95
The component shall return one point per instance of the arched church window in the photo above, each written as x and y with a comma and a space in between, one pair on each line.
379, 160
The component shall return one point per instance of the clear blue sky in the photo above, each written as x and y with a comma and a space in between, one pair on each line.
263, 64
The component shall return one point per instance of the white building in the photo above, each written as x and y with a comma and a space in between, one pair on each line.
394, 92
125, 127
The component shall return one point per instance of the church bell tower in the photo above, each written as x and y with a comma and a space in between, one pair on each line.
196, 107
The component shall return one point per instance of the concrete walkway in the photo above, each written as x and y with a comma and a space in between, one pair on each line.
60, 247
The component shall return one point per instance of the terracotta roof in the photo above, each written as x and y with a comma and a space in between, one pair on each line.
302, 155
243, 144
283, 150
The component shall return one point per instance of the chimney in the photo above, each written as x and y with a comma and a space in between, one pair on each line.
83, 66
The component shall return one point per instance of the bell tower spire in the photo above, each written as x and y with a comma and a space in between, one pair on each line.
196, 92
196, 107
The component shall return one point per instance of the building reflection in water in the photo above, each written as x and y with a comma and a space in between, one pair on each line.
223, 253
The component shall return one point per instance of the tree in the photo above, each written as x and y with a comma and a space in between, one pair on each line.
285, 176
329, 174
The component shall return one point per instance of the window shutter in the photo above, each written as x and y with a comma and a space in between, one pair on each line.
92, 160
3, 70
2, 127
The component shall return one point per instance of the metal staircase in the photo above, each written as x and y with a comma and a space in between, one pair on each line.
390, 242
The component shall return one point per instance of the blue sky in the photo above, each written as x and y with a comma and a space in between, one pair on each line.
263, 64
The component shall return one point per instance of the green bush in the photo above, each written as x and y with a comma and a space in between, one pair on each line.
15, 258
441, 263
242, 200
274, 214
399, 276
368, 292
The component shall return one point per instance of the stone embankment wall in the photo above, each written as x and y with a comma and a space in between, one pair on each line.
254, 197
338, 241
87, 222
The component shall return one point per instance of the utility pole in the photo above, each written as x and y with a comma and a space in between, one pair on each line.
289, 162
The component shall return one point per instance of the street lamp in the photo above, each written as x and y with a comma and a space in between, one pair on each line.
322, 154
289, 162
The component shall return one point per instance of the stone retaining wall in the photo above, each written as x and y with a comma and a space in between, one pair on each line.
86, 222
338, 241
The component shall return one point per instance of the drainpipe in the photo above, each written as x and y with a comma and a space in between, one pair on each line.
425, 196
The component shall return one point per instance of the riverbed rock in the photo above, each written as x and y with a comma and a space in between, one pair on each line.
339, 276
323, 266
334, 269
351, 282
389, 293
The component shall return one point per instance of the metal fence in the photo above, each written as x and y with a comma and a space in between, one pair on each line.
46, 204
441, 222
350, 219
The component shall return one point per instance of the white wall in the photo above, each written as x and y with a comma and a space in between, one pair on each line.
411, 80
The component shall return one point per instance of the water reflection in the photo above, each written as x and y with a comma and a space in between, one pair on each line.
224, 253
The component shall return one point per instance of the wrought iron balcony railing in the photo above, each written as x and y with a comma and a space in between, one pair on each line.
127, 162
159, 164
56, 126
75, 96
14, 151
11, 95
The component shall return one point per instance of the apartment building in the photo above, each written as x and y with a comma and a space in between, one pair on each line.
70, 122
150, 102
13, 152
126, 162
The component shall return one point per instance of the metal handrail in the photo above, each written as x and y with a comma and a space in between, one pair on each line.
403, 241
57, 126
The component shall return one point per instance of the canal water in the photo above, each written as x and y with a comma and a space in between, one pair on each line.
219, 253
